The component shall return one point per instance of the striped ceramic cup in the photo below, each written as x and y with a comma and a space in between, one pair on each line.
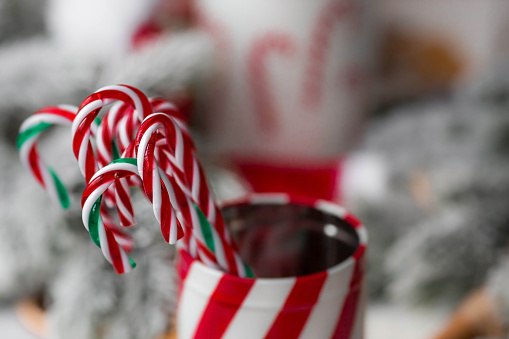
308, 256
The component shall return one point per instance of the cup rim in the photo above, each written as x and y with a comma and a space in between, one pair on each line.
284, 198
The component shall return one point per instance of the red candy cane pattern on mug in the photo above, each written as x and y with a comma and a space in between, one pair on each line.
319, 49
258, 76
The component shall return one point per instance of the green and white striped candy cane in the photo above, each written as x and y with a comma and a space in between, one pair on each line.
29, 133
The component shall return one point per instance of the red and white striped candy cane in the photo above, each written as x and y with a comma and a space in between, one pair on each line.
122, 238
258, 77
117, 129
125, 130
106, 142
192, 184
160, 192
91, 202
187, 212
179, 201
126, 124
118, 195
162, 106
120, 124
30, 131
163, 153
101, 232
182, 163
88, 112
83, 151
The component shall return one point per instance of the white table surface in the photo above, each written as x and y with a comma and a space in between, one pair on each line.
387, 321
383, 321
11, 327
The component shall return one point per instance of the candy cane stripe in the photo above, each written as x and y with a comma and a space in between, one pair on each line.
178, 153
31, 133
121, 164
30, 160
63, 197
83, 112
122, 199
206, 229
90, 204
101, 235
93, 222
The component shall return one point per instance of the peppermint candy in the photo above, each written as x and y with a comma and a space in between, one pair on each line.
30, 131
177, 149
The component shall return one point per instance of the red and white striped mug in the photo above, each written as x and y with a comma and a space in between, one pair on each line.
309, 257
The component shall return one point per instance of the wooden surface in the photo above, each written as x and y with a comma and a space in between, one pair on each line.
475, 317
31, 316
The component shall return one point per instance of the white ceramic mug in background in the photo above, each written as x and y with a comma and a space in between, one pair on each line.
291, 76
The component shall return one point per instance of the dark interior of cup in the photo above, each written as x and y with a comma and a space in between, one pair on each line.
289, 240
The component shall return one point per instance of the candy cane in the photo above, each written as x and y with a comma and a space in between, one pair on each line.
122, 238
186, 163
116, 130
120, 124
107, 148
126, 130
188, 213
180, 162
91, 201
29, 133
162, 106
204, 237
118, 194
82, 148
99, 229
263, 100
122, 121
320, 46
163, 201
90, 109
